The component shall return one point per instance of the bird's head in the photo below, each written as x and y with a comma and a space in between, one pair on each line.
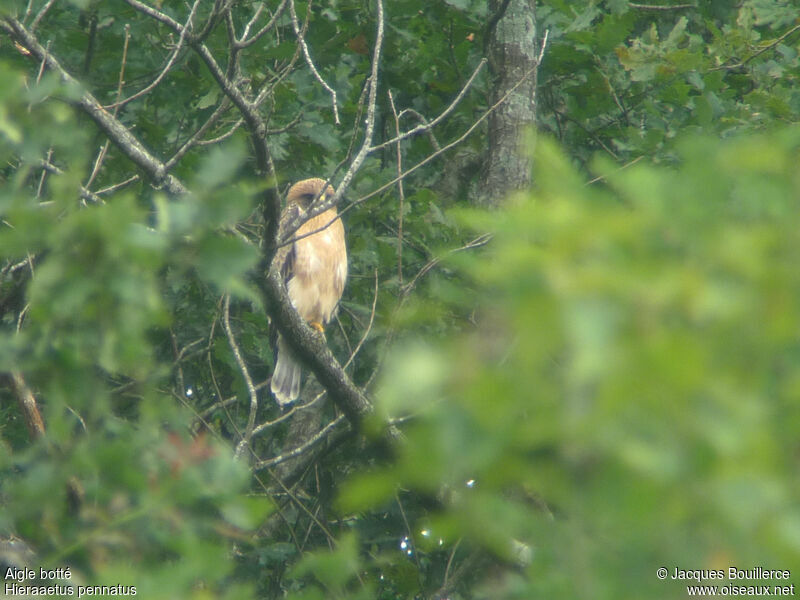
304, 192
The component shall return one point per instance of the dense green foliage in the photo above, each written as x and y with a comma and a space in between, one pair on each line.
606, 387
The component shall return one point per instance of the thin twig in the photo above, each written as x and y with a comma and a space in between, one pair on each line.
331, 539
251, 389
758, 53
625, 166
27, 404
450, 108
271, 85
660, 7
41, 15
253, 19
307, 445
110, 125
251, 116
400, 192
421, 118
121, 80
28, 10
302, 41
43, 63
116, 186
243, 42
206, 412
410, 534
319, 207
194, 139
84, 193
450, 564
167, 68
444, 149
478, 242
285, 416
223, 136
44, 173
369, 325
543, 47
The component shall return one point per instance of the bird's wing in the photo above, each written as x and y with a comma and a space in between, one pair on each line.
284, 256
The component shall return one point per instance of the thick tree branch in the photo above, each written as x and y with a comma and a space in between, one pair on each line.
249, 112
116, 131
310, 347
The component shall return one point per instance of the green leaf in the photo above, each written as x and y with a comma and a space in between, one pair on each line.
247, 512
223, 260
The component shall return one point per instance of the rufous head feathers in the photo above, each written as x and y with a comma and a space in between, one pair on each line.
304, 192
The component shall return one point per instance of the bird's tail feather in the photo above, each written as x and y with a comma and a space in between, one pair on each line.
285, 384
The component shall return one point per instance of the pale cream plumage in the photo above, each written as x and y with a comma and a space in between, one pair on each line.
314, 270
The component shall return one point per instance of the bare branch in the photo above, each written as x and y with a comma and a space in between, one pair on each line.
40, 187
400, 191
444, 149
304, 447
431, 124
253, 19
116, 186
369, 325
102, 154
421, 118
84, 193
251, 389
543, 47
223, 136
285, 416
623, 167
115, 130
660, 7
759, 52
478, 242
42, 64
302, 40
268, 87
317, 207
249, 112
28, 10
423, 162
244, 42
41, 14
170, 62
27, 404
194, 140
213, 19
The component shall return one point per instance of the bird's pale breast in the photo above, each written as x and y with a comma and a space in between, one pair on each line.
320, 268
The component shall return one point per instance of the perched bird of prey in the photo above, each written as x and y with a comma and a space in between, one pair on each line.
314, 269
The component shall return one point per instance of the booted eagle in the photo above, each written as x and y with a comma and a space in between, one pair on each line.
314, 269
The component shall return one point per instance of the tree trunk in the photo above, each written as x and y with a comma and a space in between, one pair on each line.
513, 53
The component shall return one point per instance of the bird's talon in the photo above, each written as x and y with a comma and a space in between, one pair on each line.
317, 326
